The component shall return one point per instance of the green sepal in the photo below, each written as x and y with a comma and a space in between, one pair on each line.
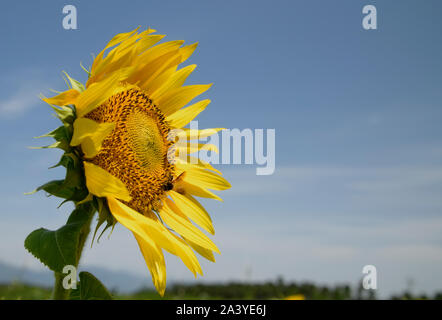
56, 188
74, 84
73, 186
90, 288
59, 134
57, 144
67, 160
62, 136
104, 215
59, 248
86, 70
65, 113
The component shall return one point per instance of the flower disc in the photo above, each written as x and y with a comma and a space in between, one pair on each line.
136, 150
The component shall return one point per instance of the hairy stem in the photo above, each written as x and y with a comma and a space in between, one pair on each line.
59, 293
82, 213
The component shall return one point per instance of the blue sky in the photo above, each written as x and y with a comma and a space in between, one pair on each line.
358, 137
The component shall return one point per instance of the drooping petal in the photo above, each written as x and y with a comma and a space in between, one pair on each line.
102, 184
206, 253
154, 258
150, 228
174, 218
90, 135
192, 209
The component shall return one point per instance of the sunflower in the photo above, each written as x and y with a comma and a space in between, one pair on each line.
121, 128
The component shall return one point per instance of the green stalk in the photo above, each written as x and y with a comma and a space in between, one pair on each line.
59, 293
84, 213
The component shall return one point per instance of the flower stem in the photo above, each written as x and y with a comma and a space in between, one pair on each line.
87, 211
59, 292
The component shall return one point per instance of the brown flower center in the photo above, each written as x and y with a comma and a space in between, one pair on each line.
136, 151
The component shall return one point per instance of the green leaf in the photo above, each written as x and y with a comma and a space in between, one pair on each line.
90, 288
59, 248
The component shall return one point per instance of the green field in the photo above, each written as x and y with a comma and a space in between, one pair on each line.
269, 290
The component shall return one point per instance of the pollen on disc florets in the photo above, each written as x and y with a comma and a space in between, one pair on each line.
136, 150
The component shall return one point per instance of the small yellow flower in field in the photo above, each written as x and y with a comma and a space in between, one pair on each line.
295, 297
133, 99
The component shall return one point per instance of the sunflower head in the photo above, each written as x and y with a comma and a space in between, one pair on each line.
118, 151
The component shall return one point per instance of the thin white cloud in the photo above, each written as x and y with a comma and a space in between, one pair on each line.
21, 91
367, 179
23, 99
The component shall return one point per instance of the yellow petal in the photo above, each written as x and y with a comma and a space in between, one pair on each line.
179, 97
102, 184
206, 253
193, 210
114, 41
154, 258
182, 117
154, 69
187, 51
193, 189
190, 147
99, 92
161, 79
194, 162
101, 67
206, 179
173, 217
193, 134
157, 51
146, 227
148, 42
108, 68
90, 135
174, 81
124, 54
64, 98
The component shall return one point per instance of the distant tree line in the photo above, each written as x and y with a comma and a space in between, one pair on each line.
273, 290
